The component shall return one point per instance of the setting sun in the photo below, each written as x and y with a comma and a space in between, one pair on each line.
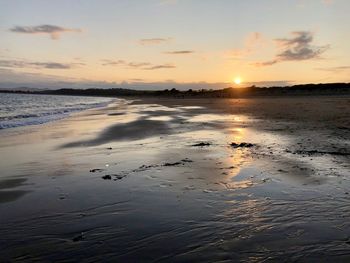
237, 81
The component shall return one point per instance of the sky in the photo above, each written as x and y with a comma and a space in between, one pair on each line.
156, 44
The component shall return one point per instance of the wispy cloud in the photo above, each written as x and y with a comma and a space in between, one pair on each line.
37, 65
136, 80
108, 62
265, 63
297, 48
335, 69
251, 43
161, 66
180, 52
137, 65
52, 30
154, 41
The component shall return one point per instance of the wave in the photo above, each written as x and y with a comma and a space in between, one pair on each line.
34, 116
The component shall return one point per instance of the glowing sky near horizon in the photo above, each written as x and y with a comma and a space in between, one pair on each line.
182, 41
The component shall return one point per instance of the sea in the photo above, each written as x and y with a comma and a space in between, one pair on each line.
28, 109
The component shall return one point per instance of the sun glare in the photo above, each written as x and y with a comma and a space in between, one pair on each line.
237, 81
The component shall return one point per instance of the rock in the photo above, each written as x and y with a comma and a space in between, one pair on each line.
107, 177
96, 170
241, 145
182, 162
62, 196
172, 164
201, 144
145, 167
79, 237
119, 176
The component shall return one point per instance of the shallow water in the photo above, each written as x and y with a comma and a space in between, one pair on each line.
168, 200
26, 109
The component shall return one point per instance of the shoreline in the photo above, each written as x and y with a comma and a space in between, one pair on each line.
171, 101
48, 114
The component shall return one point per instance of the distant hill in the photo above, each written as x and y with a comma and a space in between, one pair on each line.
296, 90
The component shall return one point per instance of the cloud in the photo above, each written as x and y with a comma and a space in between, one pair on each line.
11, 79
136, 80
251, 43
179, 52
53, 31
154, 41
335, 69
36, 65
265, 63
162, 66
297, 48
141, 65
137, 65
108, 62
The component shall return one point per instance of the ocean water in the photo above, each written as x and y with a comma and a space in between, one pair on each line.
27, 109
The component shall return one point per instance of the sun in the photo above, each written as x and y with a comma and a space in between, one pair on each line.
237, 80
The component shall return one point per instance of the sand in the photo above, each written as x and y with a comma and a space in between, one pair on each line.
160, 180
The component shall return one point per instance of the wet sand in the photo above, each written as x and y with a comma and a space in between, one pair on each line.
181, 180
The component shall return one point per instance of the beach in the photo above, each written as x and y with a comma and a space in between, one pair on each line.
181, 180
